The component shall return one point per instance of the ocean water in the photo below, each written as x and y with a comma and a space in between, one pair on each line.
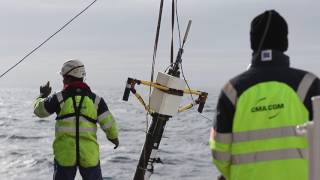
26, 141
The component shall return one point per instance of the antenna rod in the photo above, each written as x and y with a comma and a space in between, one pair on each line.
187, 33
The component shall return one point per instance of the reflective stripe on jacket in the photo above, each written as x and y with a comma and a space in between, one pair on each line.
254, 136
70, 130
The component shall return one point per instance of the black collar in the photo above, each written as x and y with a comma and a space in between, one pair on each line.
270, 58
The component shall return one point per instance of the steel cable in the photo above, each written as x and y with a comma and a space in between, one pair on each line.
46, 40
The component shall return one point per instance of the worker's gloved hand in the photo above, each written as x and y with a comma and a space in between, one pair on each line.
221, 178
45, 90
115, 142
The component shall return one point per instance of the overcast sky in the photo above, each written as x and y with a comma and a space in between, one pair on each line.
115, 38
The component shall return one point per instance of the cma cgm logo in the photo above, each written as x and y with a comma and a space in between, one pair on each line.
273, 109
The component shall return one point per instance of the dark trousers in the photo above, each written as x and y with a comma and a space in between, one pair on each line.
69, 173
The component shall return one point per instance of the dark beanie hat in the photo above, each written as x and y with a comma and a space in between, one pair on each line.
277, 33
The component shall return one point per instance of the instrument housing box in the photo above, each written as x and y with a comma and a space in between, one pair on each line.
162, 102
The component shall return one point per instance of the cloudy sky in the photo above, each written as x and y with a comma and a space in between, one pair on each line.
115, 38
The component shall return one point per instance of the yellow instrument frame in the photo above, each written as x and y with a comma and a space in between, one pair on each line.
201, 99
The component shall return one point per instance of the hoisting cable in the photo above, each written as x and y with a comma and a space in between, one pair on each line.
172, 31
155, 49
155, 131
46, 40
172, 39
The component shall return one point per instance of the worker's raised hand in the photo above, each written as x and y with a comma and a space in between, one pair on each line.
45, 90
221, 178
115, 142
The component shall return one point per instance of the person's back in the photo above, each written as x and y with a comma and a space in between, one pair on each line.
78, 111
254, 133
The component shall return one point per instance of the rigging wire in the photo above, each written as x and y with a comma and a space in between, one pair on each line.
46, 40
187, 83
181, 67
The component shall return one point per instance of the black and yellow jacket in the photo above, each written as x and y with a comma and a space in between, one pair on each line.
254, 133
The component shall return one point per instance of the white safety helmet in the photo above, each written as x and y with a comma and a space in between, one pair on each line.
74, 68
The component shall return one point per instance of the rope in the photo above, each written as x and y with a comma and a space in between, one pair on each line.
46, 40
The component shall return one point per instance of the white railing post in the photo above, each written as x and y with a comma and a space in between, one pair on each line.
314, 141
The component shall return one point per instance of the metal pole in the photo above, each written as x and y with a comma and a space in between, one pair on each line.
151, 146
314, 141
